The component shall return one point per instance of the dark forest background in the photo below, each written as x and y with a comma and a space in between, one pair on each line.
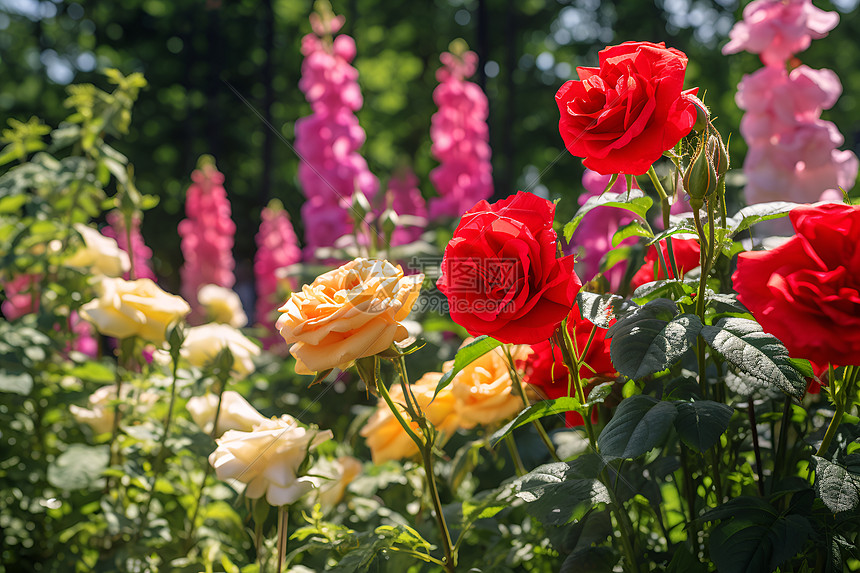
190, 50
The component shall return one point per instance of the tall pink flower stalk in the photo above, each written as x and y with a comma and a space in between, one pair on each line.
22, 296
406, 200
206, 235
139, 253
460, 138
793, 154
328, 140
277, 249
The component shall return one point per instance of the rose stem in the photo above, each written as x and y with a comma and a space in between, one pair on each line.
780, 453
515, 455
515, 377
849, 378
756, 447
426, 449
664, 207
162, 448
283, 516
572, 363
206, 474
700, 297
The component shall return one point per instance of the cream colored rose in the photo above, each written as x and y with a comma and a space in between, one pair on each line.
387, 439
334, 476
483, 390
102, 407
222, 305
99, 254
133, 308
348, 313
203, 343
267, 459
236, 412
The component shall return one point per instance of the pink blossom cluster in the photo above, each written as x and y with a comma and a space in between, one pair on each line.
460, 138
593, 238
22, 296
207, 235
328, 140
793, 154
139, 254
406, 200
277, 249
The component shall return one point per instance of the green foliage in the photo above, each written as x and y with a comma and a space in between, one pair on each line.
640, 423
634, 201
560, 492
700, 424
465, 356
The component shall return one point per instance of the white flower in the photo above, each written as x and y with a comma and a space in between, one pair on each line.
99, 254
268, 458
100, 414
203, 343
222, 305
236, 412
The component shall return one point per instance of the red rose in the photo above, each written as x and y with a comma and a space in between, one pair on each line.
622, 116
545, 370
686, 258
806, 292
501, 275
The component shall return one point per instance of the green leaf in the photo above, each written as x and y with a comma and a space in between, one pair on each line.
640, 423
652, 339
93, 372
16, 382
79, 467
602, 309
12, 203
536, 412
836, 485
465, 356
749, 216
752, 536
635, 201
633, 229
673, 289
742, 343
560, 492
700, 424
682, 226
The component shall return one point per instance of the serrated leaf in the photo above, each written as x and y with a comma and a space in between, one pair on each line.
640, 423
652, 339
837, 487
465, 356
700, 424
635, 201
742, 343
560, 492
631, 229
602, 309
599, 393
686, 226
753, 536
79, 467
672, 288
749, 216
536, 412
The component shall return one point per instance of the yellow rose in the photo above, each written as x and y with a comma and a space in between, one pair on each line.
203, 343
99, 254
222, 305
483, 390
129, 308
335, 476
387, 439
267, 458
348, 313
236, 412
101, 412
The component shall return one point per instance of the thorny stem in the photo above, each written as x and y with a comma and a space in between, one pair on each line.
283, 535
783, 434
850, 377
700, 297
515, 455
664, 207
515, 378
756, 447
426, 449
162, 449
